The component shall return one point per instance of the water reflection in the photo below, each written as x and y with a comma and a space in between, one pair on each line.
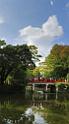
39, 119
40, 109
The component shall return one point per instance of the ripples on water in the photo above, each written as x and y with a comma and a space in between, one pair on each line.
41, 110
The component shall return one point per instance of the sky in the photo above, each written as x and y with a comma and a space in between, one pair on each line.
36, 22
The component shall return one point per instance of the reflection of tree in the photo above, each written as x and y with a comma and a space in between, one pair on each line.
57, 112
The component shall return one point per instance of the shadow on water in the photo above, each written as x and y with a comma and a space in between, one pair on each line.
39, 108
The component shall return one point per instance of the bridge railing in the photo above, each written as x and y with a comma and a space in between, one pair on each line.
43, 80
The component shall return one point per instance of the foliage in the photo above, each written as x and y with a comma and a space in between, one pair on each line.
12, 59
20, 77
2, 43
34, 51
57, 62
61, 87
29, 73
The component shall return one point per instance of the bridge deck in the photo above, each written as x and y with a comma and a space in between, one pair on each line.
45, 81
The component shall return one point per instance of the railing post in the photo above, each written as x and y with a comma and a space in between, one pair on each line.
46, 87
33, 86
56, 88
56, 92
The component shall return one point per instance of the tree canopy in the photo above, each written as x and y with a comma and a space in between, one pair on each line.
12, 58
56, 64
57, 61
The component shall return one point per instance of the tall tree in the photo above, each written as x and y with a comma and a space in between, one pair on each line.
34, 51
13, 57
58, 61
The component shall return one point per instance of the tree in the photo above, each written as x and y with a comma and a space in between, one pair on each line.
57, 61
2, 43
20, 78
34, 51
12, 58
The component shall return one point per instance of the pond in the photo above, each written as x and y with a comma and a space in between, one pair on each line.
37, 109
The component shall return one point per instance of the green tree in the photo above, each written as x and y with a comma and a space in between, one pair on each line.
2, 43
34, 51
13, 57
57, 61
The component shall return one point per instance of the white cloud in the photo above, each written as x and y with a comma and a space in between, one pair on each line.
48, 31
42, 36
1, 20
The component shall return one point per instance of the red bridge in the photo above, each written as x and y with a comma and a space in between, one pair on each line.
36, 82
44, 80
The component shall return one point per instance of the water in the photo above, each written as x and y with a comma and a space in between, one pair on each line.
36, 109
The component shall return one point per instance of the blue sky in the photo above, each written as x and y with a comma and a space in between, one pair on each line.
39, 22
